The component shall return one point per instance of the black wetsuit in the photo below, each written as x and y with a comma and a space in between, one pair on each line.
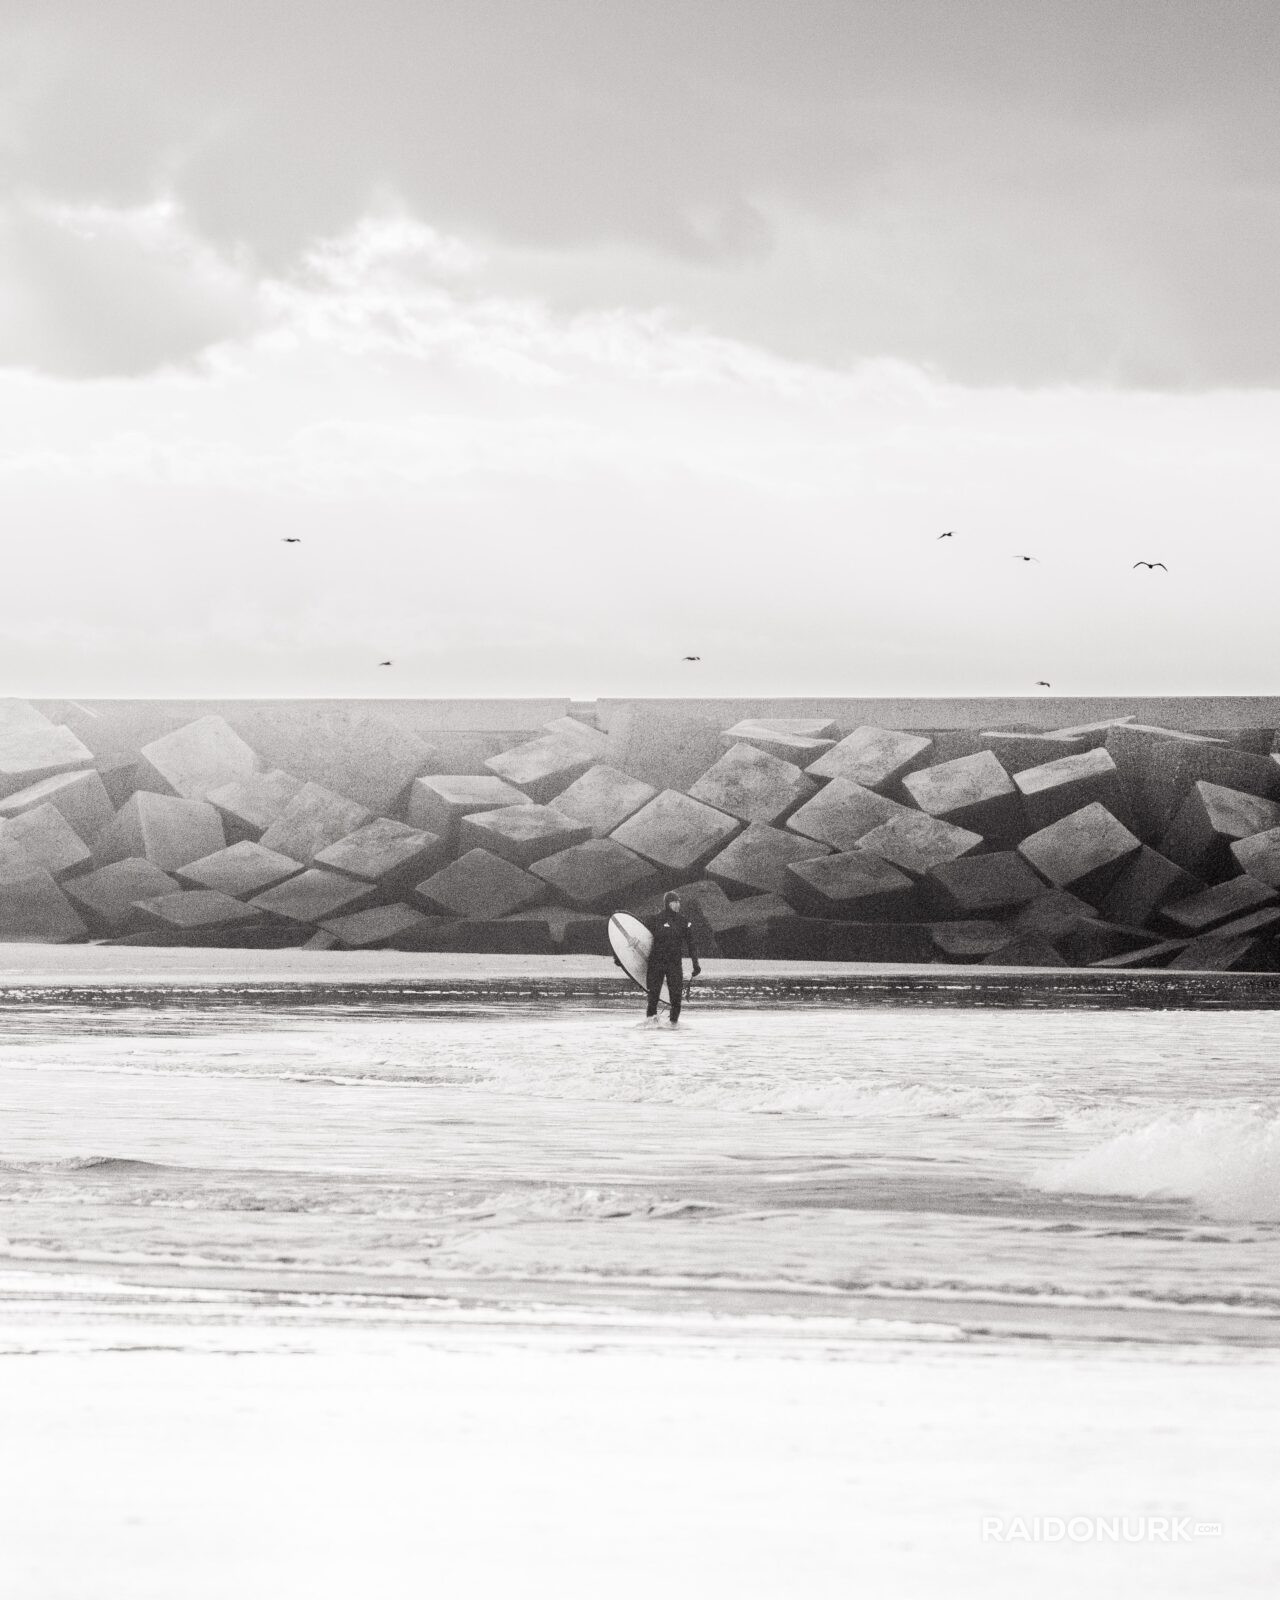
672, 936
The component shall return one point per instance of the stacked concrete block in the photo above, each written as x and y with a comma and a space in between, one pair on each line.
523, 834
1084, 852
594, 742
480, 884
48, 840
1017, 752
969, 941
917, 842
543, 767
311, 821
438, 803
1211, 819
841, 814
1226, 949
1091, 940
973, 792
32, 748
108, 897
854, 886
595, 873
874, 758
81, 797
603, 798
753, 785
316, 896
249, 806
194, 760
1051, 914
1056, 789
800, 740
953, 744
241, 870
34, 910
1147, 883
197, 911
1141, 755
979, 885
1027, 950
757, 860
368, 756
1259, 856
374, 927
1222, 902
163, 829
677, 833
1170, 768
385, 852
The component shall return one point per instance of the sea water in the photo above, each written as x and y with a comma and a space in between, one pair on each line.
180, 1173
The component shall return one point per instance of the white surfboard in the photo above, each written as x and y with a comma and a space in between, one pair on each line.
631, 942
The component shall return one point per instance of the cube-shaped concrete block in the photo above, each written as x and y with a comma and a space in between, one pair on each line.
1259, 856
1175, 767
109, 895
873, 757
972, 792
541, 768
1056, 789
378, 925
480, 885
975, 885
1091, 940
386, 853
34, 910
917, 842
14, 860
1216, 952
596, 873
759, 857
1084, 852
952, 744
368, 756
81, 797
969, 941
202, 756
841, 814
753, 785
241, 870
162, 829
48, 840
902, 942
1141, 755
437, 803
523, 834
592, 740
32, 748
1147, 883
1199, 913
854, 885
313, 820
787, 738
1016, 752
1209, 820
677, 833
196, 910
1027, 950
315, 895
1051, 914
249, 806
603, 798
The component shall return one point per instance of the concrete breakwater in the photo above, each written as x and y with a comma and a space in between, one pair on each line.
1109, 834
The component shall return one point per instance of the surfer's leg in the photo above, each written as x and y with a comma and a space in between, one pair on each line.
653, 980
675, 990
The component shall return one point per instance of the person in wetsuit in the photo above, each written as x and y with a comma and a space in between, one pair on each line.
672, 936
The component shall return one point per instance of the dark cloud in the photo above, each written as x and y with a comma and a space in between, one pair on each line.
1029, 190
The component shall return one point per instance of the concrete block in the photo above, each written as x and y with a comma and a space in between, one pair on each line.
241, 870
1174, 767
1052, 914
753, 785
481, 885
1216, 952
108, 896
362, 754
316, 895
314, 819
249, 806
974, 885
14, 860
854, 886
592, 740
1017, 752
1147, 955
543, 767
161, 828
1147, 883
1199, 913
32, 748
437, 803
1084, 852
1209, 820
1027, 950
953, 744
34, 910
1258, 741
1089, 733
1140, 753
569, 932
917, 842
378, 925
81, 797
596, 872
676, 832
1259, 856
197, 910
321, 939
1091, 940
662, 743
969, 941
523, 834
1056, 789
842, 813
386, 853
194, 760
973, 792
603, 798
759, 857
784, 737
878, 941
873, 757
47, 839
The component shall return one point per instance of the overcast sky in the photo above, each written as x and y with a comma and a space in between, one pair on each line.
572, 337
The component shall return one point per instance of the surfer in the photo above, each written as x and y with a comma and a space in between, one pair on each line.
672, 936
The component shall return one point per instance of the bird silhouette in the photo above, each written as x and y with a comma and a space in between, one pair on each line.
385, 663
1042, 683
947, 535
1152, 564
290, 541
691, 658
1036, 559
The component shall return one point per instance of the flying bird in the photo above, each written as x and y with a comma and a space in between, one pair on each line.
946, 535
1042, 683
1152, 564
385, 663
691, 658
1036, 559
290, 541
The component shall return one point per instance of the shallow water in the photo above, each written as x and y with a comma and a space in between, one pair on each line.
822, 1174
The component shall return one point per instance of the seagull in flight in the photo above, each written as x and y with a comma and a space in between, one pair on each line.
691, 658
289, 540
1151, 564
1036, 559
1042, 683
950, 535
386, 663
